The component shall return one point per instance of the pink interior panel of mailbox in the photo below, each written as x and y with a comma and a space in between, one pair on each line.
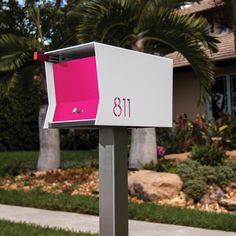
76, 89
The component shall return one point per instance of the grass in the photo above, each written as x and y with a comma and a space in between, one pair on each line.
16, 162
144, 211
21, 229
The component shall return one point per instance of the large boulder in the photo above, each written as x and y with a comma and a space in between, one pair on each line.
154, 186
229, 204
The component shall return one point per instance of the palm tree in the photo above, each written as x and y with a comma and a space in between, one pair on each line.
154, 26
16, 58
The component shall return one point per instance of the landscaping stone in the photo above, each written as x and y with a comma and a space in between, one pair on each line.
229, 204
233, 185
231, 154
178, 157
154, 186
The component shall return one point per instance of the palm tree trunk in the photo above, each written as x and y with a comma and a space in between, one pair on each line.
143, 147
49, 153
143, 140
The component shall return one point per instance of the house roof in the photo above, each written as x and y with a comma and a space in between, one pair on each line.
226, 51
203, 6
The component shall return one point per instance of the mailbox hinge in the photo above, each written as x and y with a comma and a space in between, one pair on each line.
40, 56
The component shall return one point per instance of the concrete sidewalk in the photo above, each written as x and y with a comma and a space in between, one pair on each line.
87, 223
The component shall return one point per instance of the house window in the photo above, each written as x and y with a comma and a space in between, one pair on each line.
223, 99
233, 94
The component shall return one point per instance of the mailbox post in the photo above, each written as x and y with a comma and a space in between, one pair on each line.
97, 85
113, 194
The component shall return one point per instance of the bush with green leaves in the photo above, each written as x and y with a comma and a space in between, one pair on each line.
15, 168
181, 137
195, 188
196, 176
162, 165
189, 170
232, 164
19, 108
186, 133
194, 182
208, 173
208, 154
77, 139
224, 174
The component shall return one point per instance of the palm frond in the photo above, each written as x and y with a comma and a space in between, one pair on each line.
15, 52
34, 13
187, 35
106, 21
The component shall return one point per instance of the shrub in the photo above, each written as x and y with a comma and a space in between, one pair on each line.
194, 181
209, 174
232, 164
186, 133
181, 137
208, 154
194, 188
161, 166
77, 139
19, 108
227, 130
189, 170
14, 168
224, 174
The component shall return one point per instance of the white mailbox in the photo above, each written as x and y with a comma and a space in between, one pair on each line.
100, 85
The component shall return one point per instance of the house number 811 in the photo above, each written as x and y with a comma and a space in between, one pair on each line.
121, 107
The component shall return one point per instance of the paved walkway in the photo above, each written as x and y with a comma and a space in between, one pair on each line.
87, 223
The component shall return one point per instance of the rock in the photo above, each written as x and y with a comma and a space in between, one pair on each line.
227, 189
219, 194
178, 157
229, 204
177, 202
233, 185
154, 186
190, 202
231, 154
206, 199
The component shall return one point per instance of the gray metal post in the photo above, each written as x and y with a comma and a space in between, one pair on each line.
113, 196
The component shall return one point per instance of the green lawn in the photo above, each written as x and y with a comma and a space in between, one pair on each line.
15, 162
20, 229
144, 211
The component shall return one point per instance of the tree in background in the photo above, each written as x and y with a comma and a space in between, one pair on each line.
153, 26
35, 32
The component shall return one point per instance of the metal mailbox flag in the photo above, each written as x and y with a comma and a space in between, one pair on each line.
100, 85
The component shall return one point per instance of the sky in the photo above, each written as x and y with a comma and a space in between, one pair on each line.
21, 1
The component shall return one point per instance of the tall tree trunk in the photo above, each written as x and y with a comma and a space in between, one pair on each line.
49, 153
143, 140
143, 147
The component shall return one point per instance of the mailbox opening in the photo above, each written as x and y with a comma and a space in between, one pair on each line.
72, 53
76, 90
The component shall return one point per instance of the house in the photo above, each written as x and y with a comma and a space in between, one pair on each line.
186, 87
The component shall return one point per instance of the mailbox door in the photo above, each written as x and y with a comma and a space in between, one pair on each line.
76, 90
